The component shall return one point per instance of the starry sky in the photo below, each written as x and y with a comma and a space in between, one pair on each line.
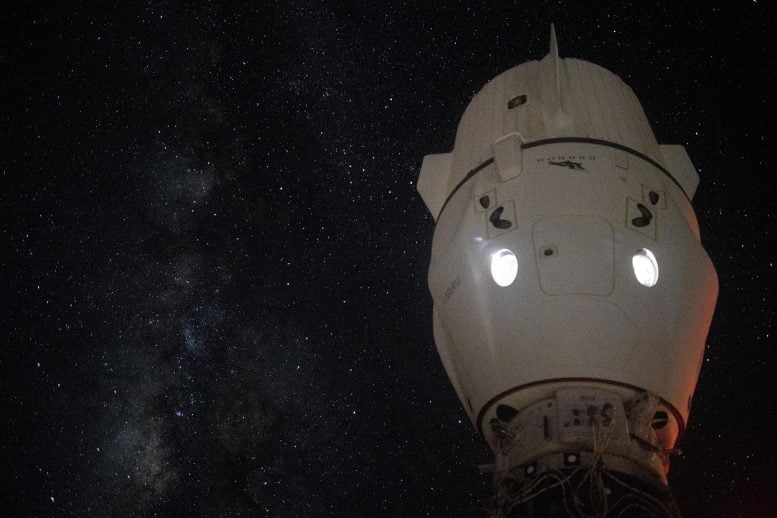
214, 257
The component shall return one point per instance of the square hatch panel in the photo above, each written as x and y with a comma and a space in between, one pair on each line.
574, 255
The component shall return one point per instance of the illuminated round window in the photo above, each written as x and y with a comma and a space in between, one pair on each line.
504, 267
645, 267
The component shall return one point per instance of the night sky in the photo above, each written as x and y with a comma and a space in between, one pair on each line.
214, 257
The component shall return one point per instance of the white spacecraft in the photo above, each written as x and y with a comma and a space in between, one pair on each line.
572, 295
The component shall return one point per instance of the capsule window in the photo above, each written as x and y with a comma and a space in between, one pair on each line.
645, 267
504, 267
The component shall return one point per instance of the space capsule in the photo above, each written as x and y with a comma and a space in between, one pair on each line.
572, 295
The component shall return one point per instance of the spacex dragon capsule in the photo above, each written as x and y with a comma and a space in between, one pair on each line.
572, 295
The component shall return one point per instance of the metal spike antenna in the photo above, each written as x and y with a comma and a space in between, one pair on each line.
556, 114
554, 53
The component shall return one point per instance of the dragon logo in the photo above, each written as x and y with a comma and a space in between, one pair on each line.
575, 166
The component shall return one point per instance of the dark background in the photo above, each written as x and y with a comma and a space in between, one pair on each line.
214, 257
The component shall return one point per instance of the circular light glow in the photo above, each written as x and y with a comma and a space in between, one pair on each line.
504, 267
645, 267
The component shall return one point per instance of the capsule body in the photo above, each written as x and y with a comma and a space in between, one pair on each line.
567, 271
